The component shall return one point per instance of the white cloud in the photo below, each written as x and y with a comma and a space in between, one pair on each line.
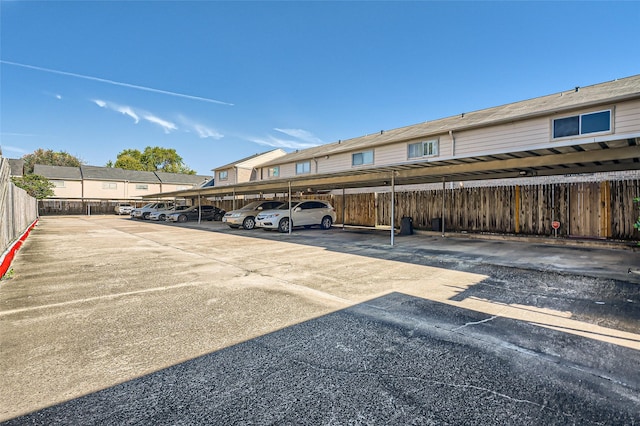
304, 135
6, 148
166, 125
130, 112
122, 109
299, 139
281, 143
205, 132
202, 130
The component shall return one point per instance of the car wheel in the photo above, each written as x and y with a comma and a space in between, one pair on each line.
182, 218
283, 226
145, 216
217, 217
249, 223
162, 217
326, 222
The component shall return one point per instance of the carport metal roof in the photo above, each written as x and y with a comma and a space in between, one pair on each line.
588, 157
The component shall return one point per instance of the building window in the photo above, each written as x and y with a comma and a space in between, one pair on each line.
58, 183
224, 175
142, 187
362, 158
423, 149
304, 167
273, 171
109, 185
582, 124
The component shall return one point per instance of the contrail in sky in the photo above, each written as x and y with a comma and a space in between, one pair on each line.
117, 83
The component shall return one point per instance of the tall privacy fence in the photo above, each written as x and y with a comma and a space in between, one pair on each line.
600, 209
582, 209
18, 210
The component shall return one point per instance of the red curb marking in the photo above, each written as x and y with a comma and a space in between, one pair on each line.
5, 260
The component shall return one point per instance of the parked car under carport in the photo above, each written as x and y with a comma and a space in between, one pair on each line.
245, 217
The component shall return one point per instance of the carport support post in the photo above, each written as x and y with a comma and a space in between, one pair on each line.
290, 218
343, 208
199, 209
393, 205
443, 190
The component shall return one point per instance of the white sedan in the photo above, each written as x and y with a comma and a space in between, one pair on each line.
305, 213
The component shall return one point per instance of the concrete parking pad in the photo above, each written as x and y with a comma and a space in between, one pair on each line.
112, 304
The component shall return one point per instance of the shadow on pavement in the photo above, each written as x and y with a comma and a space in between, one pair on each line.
396, 359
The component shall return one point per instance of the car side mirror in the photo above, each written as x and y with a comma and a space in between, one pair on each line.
297, 209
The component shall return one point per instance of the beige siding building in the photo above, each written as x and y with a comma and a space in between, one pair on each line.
107, 183
607, 113
245, 170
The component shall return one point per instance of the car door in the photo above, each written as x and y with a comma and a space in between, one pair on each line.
303, 214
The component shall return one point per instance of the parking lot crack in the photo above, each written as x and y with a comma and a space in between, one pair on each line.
476, 322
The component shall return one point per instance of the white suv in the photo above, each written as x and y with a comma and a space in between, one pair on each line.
305, 213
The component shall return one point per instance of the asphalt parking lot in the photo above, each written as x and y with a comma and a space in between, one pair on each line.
108, 320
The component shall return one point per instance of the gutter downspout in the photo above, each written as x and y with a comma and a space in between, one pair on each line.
453, 143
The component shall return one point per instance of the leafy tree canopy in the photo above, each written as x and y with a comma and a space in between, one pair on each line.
152, 159
49, 158
37, 186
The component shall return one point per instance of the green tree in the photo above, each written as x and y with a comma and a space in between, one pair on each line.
152, 159
50, 158
37, 186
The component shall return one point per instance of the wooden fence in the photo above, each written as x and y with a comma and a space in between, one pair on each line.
582, 209
17, 209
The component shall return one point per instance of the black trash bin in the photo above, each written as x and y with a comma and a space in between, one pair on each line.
436, 224
406, 226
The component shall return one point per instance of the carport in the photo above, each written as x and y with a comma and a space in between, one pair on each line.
590, 156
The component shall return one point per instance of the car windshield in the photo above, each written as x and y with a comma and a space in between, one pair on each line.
148, 205
252, 206
285, 206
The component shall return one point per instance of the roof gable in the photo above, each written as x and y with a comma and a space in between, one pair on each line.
255, 160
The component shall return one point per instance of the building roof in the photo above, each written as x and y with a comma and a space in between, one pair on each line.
57, 172
17, 166
115, 174
578, 97
181, 178
255, 159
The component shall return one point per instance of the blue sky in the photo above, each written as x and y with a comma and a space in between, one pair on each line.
219, 81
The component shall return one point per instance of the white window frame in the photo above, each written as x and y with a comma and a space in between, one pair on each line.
142, 187
223, 175
109, 185
59, 183
580, 118
273, 172
303, 167
363, 158
430, 147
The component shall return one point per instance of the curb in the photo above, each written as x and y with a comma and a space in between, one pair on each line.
8, 255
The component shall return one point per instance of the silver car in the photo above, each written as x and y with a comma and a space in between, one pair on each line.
162, 214
246, 216
305, 213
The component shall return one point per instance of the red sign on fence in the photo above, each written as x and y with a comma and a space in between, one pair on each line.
555, 224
